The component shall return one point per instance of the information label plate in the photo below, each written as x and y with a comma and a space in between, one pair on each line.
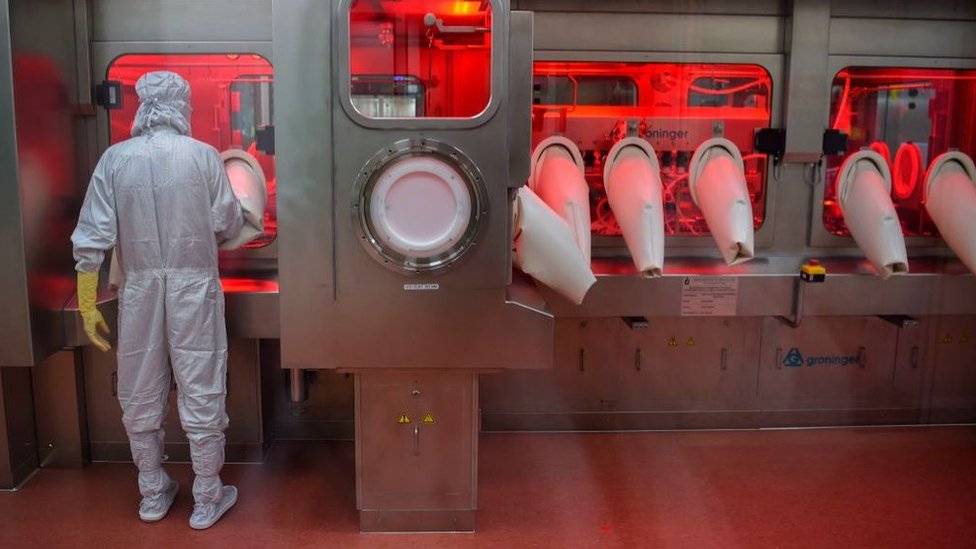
709, 295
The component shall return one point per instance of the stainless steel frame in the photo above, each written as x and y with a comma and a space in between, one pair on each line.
328, 281
17, 347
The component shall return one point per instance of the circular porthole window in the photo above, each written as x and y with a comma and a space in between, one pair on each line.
420, 206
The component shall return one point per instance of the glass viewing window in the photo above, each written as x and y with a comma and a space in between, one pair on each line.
420, 58
232, 101
677, 106
909, 116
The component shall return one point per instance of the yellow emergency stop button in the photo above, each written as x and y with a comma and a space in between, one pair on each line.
813, 271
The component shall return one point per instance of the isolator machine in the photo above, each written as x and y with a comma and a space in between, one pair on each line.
482, 215
395, 250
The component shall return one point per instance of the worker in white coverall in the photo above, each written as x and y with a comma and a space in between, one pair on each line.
164, 200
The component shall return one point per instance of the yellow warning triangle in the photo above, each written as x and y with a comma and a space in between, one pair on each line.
673, 342
404, 418
691, 342
428, 419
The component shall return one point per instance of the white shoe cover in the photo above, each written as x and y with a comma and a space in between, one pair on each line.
206, 515
154, 508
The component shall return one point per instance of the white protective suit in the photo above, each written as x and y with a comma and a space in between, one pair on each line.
164, 199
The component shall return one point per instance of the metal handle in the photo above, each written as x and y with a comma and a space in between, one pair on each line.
724, 361
862, 357
416, 440
637, 359
779, 358
914, 357
582, 359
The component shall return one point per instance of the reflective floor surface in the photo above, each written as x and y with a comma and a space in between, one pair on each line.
870, 487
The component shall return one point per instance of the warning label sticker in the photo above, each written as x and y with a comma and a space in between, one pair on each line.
709, 295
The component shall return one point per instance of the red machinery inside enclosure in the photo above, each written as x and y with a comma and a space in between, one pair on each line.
231, 97
676, 106
420, 59
909, 116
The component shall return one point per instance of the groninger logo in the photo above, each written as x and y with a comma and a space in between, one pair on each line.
665, 133
793, 358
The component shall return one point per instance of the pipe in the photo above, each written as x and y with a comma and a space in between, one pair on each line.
557, 178
545, 248
718, 187
297, 391
864, 194
632, 178
950, 199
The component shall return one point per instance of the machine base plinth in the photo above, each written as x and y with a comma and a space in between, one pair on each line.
417, 521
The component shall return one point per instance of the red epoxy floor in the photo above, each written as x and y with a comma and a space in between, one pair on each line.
850, 488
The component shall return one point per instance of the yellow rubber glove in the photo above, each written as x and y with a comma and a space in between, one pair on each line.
91, 318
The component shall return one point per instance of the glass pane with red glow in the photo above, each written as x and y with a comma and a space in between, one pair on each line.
231, 97
420, 58
909, 116
677, 107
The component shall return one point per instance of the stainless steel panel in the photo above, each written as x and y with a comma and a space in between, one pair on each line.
520, 97
36, 167
808, 81
830, 363
181, 20
83, 68
416, 443
658, 32
16, 348
46, 29
766, 287
953, 396
901, 37
806, 109
677, 372
955, 10
303, 86
59, 395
